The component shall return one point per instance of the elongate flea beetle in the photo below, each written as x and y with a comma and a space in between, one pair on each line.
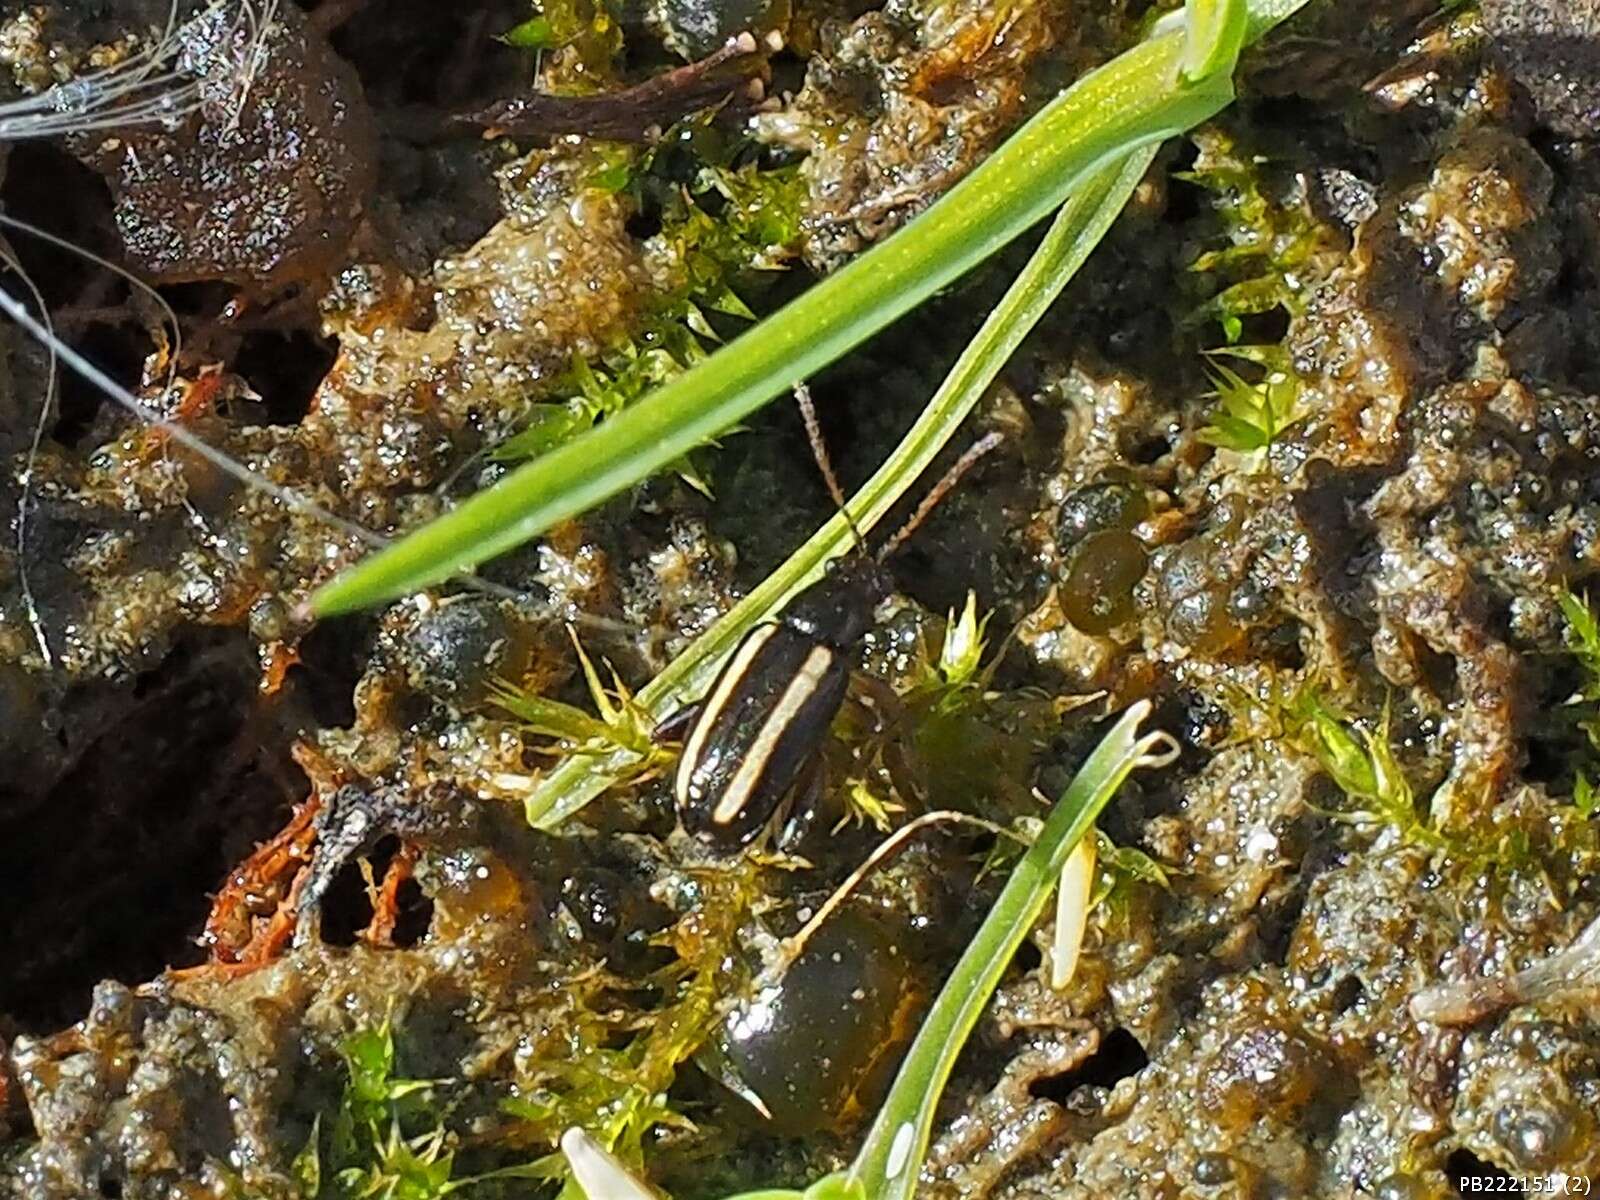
763, 720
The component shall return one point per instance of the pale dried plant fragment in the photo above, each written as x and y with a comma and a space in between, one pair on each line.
600, 1173
1072, 911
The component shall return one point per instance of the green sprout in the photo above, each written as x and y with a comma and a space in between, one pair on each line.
949, 681
404, 1168
1249, 416
949, 738
622, 724
1133, 103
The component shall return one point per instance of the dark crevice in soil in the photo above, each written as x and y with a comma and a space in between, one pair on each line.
415, 915
1120, 1055
284, 369
112, 858
422, 52
332, 657
46, 188
345, 908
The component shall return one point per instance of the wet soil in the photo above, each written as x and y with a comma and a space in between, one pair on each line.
234, 844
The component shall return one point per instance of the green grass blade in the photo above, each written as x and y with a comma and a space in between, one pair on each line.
1074, 234
1138, 98
1217, 31
1264, 14
891, 1158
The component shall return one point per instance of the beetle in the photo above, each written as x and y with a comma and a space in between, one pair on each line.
758, 731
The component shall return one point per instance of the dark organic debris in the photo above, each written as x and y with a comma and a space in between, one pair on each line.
266, 189
1552, 48
730, 75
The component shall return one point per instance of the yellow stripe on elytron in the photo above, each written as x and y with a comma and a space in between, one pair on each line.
714, 705
800, 689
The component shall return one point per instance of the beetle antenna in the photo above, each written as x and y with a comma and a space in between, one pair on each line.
965, 463
819, 451
819, 448
891, 845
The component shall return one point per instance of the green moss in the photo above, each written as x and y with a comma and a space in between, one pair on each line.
954, 677
1269, 247
1583, 642
1120, 872
725, 224
621, 724
613, 1081
953, 742
385, 1138
1524, 835
1582, 637
1584, 799
1362, 763
606, 1058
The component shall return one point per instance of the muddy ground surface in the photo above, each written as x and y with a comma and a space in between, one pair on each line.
259, 873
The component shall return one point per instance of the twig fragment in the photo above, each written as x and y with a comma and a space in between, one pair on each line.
1468, 1001
733, 74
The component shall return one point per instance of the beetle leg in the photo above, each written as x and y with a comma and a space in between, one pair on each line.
798, 816
879, 698
671, 727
